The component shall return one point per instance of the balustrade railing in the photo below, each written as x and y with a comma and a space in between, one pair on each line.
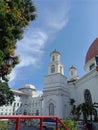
19, 118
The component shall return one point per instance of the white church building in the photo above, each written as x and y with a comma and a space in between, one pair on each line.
58, 89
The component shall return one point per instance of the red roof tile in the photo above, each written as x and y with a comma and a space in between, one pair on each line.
55, 51
92, 51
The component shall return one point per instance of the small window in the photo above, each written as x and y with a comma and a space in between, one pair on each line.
52, 69
96, 60
37, 112
72, 73
17, 104
92, 66
52, 58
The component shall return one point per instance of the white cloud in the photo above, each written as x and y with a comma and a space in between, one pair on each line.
31, 47
52, 18
57, 20
30, 51
54, 15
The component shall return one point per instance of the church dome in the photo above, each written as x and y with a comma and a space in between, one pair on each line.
92, 51
28, 86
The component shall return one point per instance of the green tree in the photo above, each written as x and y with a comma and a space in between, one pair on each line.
93, 110
71, 124
73, 109
3, 125
6, 96
83, 110
87, 110
15, 15
71, 101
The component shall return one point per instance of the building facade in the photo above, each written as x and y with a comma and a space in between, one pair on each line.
55, 91
58, 89
27, 102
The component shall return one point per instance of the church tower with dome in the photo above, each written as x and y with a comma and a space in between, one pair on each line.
55, 91
55, 66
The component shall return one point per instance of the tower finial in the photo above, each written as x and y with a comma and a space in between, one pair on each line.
55, 52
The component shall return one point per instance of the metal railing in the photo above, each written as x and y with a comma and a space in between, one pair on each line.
18, 119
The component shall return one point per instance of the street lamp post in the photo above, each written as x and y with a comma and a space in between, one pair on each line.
9, 60
6, 68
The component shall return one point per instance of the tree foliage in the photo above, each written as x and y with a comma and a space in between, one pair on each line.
6, 96
15, 15
4, 125
87, 110
73, 112
84, 110
71, 124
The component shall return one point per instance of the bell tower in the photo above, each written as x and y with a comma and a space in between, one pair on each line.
55, 91
73, 76
55, 66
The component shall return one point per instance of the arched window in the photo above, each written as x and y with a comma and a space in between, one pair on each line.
52, 68
72, 73
87, 96
52, 58
37, 112
51, 109
25, 112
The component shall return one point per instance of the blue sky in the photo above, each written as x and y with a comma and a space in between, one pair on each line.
70, 26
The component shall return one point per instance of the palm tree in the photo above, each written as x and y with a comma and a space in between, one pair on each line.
87, 110
83, 109
73, 108
93, 110
72, 101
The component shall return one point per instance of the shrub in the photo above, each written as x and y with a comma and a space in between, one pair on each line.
3, 125
71, 124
